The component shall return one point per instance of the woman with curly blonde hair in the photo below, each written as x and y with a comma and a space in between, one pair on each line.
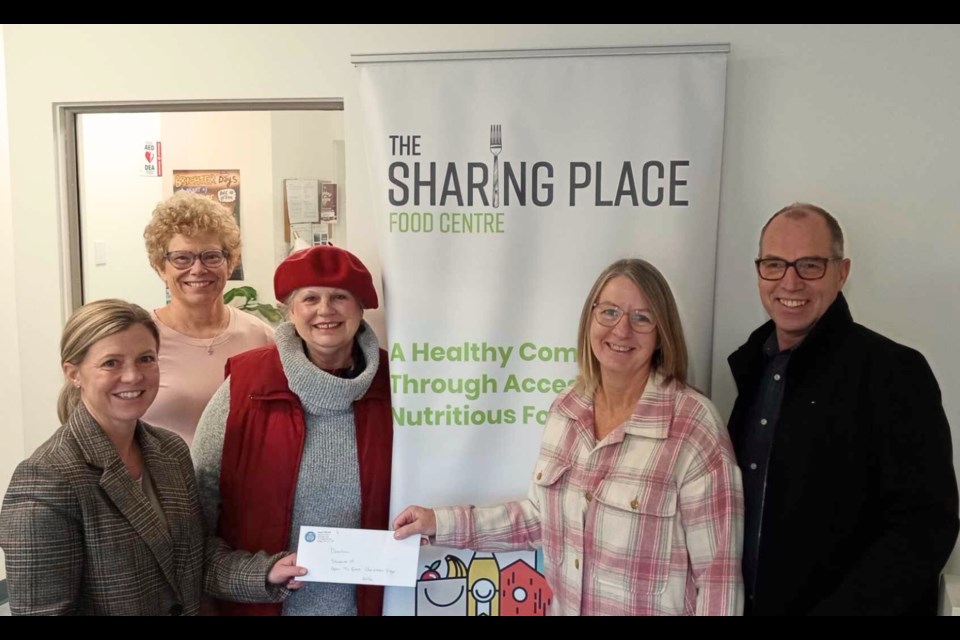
193, 244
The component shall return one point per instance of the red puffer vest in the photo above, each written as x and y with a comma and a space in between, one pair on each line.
262, 448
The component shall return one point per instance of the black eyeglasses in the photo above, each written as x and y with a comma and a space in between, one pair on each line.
212, 258
809, 268
609, 315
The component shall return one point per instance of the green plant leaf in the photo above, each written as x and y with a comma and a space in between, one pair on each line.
240, 292
269, 312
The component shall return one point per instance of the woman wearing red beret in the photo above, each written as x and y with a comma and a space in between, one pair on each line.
301, 433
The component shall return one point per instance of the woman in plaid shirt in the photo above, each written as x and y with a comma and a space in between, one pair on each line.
636, 498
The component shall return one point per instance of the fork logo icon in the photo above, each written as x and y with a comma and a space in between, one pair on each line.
496, 145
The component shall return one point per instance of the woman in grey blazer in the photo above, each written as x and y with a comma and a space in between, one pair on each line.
104, 519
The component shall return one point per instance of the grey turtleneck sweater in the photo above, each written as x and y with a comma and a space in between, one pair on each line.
328, 486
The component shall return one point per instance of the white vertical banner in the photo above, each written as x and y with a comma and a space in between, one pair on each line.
504, 182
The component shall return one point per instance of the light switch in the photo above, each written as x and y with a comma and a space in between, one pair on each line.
99, 253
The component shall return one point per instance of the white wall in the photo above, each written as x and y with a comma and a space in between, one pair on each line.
116, 202
859, 119
303, 148
11, 426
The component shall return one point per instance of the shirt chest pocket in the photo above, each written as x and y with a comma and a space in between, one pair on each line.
633, 532
551, 483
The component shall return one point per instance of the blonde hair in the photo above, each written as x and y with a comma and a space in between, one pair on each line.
88, 325
189, 214
670, 358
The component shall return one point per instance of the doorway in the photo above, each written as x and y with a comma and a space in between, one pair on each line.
110, 188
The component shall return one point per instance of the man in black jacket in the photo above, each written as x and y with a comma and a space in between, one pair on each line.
849, 487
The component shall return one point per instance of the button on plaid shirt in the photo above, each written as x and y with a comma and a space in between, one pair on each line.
648, 521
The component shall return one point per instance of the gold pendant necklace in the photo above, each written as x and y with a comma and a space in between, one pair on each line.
214, 338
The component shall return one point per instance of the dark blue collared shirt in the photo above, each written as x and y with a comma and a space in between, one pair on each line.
755, 451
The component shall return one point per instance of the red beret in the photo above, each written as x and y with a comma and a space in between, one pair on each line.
325, 266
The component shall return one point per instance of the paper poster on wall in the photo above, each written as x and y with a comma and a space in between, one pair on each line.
328, 202
321, 234
303, 200
222, 185
152, 159
310, 233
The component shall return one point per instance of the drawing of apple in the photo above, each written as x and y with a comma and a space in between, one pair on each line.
431, 573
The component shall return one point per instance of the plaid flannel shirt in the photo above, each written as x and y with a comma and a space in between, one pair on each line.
649, 521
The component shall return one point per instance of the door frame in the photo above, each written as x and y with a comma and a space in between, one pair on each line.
68, 178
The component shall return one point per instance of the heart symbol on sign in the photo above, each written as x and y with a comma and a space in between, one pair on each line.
149, 156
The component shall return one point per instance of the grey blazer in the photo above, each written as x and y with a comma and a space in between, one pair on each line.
80, 537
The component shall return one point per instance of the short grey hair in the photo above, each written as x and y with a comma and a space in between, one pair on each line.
799, 210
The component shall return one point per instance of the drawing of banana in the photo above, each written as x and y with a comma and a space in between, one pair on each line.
455, 567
